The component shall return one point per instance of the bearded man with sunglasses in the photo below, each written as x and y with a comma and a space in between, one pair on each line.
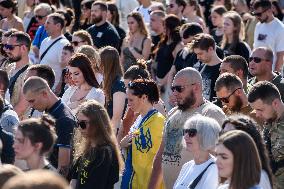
172, 154
230, 91
269, 32
260, 66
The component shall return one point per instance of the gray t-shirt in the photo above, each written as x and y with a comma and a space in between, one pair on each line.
175, 154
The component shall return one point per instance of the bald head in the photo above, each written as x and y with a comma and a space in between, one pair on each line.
266, 52
190, 74
34, 84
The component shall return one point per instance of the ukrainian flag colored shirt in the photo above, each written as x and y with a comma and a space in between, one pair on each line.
144, 148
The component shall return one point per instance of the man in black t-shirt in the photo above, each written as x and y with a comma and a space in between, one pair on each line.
103, 33
40, 97
204, 46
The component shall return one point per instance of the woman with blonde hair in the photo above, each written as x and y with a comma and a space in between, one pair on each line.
98, 160
137, 44
233, 36
113, 85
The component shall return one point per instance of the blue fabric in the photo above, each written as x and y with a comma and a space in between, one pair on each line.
40, 35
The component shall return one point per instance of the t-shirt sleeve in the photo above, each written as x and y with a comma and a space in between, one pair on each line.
280, 42
36, 41
243, 50
118, 87
65, 128
210, 178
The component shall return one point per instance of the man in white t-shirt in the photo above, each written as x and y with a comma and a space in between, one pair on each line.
125, 7
56, 41
269, 32
172, 154
144, 9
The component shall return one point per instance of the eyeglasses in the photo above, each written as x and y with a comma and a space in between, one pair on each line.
40, 17
190, 132
76, 43
256, 59
11, 47
258, 14
170, 6
82, 124
226, 99
179, 88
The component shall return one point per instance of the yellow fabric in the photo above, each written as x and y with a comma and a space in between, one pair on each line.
142, 159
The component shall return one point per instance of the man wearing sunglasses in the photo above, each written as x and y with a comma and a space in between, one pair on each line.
265, 99
176, 7
40, 97
269, 32
187, 89
230, 91
260, 66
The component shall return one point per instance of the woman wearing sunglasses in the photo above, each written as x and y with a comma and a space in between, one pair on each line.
201, 134
86, 85
98, 160
34, 139
80, 38
145, 135
238, 161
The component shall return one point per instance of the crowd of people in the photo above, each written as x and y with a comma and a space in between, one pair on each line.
142, 94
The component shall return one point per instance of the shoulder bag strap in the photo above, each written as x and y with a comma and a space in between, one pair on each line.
44, 53
13, 80
196, 181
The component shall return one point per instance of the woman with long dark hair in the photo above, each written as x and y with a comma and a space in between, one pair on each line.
97, 157
238, 161
217, 20
86, 86
113, 85
248, 125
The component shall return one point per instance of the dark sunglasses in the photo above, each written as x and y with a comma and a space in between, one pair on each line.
256, 59
226, 99
76, 43
258, 14
190, 132
82, 124
170, 6
40, 17
177, 88
11, 47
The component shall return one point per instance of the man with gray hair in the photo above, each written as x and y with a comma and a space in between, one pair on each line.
40, 97
260, 66
187, 89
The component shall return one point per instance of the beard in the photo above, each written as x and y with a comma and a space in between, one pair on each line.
272, 118
263, 20
188, 102
97, 19
14, 59
238, 105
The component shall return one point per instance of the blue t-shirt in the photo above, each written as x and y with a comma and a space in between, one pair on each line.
40, 35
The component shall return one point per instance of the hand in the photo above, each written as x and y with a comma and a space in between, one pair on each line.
126, 141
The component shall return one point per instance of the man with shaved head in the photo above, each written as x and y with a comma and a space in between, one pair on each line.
40, 97
187, 89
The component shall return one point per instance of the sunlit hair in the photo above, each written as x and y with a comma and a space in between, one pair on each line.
84, 36
246, 166
112, 69
81, 61
140, 87
248, 125
93, 55
238, 33
141, 24
7, 171
39, 130
137, 71
100, 131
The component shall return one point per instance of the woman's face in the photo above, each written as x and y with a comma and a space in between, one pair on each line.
134, 102
217, 19
23, 147
5, 12
132, 24
83, 123
228, 26
191, 142
109, 16
86, 13
77, 42
225, 161
76, 75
